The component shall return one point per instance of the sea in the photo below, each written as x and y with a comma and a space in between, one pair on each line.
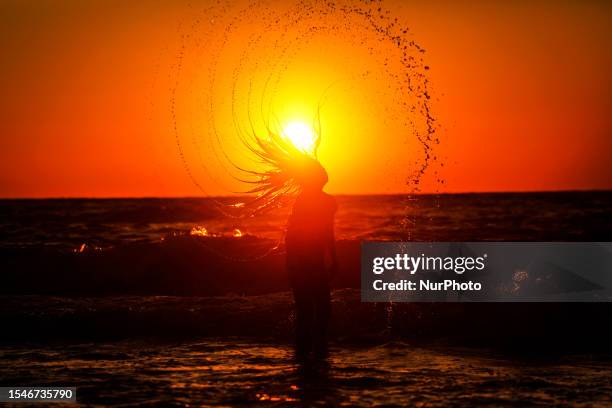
184, 302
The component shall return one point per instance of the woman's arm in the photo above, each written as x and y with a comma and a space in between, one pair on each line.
331, 243
331, 247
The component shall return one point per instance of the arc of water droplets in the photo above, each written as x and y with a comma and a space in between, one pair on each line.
373, 19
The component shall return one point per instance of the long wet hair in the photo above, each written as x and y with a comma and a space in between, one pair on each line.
285, 170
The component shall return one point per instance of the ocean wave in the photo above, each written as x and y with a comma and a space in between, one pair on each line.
525, 327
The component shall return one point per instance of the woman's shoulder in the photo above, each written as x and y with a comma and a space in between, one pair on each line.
319, 201
330, 201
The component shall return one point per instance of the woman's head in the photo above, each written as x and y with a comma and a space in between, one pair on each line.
311, 175
283, 171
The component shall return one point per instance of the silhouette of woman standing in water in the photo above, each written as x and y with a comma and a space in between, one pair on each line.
311, 259
311, 256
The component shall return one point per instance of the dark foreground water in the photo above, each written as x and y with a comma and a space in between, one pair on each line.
168, 302
235, 371
233, 351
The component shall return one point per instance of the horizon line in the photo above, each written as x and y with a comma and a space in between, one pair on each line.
144, 197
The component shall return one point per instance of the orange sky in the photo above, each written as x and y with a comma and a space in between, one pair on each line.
524, 93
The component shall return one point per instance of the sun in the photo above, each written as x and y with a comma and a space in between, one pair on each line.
301, 136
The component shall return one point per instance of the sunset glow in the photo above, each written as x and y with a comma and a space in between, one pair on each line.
504, 94
301, 136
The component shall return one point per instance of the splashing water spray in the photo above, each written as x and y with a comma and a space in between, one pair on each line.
237, 66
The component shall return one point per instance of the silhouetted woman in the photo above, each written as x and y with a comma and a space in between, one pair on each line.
311, 259
286, 173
